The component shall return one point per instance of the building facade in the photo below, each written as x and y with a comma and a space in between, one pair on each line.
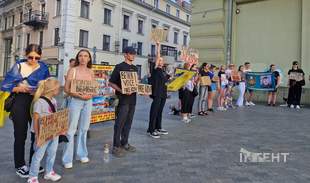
263, 32
104, 27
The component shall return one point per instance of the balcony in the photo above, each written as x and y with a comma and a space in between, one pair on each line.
36, 19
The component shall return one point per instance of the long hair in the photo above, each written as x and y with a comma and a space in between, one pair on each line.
33, 47
202, 67
46, 87
77, 62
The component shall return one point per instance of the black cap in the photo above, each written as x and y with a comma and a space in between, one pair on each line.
129, 50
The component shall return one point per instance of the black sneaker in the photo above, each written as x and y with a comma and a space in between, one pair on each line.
129, 148
23, 171
41, 170
162, 132
118, 152
155, 135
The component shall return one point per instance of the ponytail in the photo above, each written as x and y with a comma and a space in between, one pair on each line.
39, 91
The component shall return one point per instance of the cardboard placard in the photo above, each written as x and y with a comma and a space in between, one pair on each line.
53, 125
144, 89
235, 76
205, 81
189, 55
84, 86
129, 81
296, 76
158, 34
215, 78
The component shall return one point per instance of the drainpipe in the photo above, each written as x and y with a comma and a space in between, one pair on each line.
229, 31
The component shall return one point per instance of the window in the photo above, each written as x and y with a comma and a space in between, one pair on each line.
175, 38
58, 7
85, 9
140, 26
167, 38
56, 37
125, 43
126, 22
139, 67
187, 18
13, 20
106, 42
28, 39
154, 26
139, 50
185, 40
21, 17
5, 23
153, 50
83, 38
41, 39
156, 3
43, 8
178, 13
107, 16
168, 8
18, 42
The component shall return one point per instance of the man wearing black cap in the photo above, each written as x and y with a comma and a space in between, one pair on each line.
126, 106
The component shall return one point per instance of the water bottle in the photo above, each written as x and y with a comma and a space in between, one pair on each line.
106, 155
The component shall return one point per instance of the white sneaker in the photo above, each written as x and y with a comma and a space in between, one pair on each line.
84, 160
292, 106
68, 165
247, 104
251, 103
186, 120
52, 176
33, 180
297, 107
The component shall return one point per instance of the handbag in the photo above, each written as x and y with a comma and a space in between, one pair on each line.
302, 82
195, 92
8, 103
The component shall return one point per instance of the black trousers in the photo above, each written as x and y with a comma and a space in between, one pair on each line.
294, 95
187, 101
20, 115
123, 122
156, 111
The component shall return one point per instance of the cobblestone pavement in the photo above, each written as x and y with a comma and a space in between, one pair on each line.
206, 150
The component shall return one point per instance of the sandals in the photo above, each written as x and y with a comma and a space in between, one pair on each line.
201, 113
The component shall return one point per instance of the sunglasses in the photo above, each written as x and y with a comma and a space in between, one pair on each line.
31, 58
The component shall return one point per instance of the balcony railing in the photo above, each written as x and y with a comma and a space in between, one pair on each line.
36, 19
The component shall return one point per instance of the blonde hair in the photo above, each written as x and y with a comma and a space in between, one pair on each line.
46, 87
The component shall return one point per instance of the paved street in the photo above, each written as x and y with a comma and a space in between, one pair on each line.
206, 150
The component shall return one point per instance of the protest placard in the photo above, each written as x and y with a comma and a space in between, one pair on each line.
263, 81
158, 34
296, 76
205, 81
235, 76
144, 89
180, 79
129, 81
52, 125
84, 86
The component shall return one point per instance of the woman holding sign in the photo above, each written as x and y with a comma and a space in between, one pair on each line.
80, 107
296, 81
203, 89
158, 81
21, 81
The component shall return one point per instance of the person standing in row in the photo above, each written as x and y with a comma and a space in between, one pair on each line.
126, 105
272, 95
241, 86
203, 90
22, 81
80, 107
222, 87
249, 97
212, 87
158, 81
295, 86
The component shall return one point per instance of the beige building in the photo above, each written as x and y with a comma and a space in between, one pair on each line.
263, 32
104, 27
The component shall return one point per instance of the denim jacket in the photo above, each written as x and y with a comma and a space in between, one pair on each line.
14, 77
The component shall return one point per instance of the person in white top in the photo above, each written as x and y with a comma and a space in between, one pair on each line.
248, 93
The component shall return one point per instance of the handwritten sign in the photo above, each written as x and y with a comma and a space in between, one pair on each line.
205, 81
144, 89
53, 125
296, 76
84, 86
158, 34
129, 81
235, 76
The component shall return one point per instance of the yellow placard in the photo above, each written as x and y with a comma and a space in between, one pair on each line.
182, 77
105, 116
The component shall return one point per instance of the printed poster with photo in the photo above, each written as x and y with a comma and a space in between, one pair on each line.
104, 103
264, 81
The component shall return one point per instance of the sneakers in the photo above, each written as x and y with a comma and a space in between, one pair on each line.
118, 152
52, 176
192, 116
186, 120
292, 106
251, 103
68, 165
23, 171
210, 110
162, 131
155, 135
129, 148
84, 160
33, 180
297, 107
221, 109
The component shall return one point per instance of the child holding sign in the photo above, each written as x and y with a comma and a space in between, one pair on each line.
44, 104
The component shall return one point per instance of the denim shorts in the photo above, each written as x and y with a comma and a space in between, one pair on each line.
212, 87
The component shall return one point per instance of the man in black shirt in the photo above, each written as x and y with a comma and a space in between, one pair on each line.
126, 106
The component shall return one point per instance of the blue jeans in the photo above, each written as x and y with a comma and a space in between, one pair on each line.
79, 117
51, 148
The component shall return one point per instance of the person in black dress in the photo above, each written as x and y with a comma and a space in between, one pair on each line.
295, 86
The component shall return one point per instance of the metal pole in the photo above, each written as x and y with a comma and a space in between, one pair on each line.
229, 31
